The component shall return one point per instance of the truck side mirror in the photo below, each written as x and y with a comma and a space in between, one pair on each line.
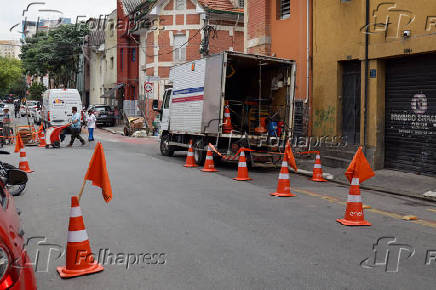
155, 105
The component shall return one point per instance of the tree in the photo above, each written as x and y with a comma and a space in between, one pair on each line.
36, 90
10, 72
56, 53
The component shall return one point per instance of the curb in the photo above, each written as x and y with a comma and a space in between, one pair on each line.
366, 187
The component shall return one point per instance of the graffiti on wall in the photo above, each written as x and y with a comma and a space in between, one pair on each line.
325, 118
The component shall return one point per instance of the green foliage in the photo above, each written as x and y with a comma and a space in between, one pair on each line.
56, 53
10, 73
36, 90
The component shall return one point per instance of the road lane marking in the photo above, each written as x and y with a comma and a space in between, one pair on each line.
331, 199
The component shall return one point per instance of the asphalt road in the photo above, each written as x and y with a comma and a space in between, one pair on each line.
210, 232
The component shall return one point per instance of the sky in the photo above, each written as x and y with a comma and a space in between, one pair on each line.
12, 10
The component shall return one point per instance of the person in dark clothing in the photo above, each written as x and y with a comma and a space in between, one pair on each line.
76, 128
16, 108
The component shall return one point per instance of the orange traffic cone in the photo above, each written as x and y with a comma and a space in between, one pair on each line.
242, 168
227, 126
317, 170
79, 258
41, 137
190, 161
284, 184
24, 165
354, 212
209, 166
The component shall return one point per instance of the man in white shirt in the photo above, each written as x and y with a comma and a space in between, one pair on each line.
91, 124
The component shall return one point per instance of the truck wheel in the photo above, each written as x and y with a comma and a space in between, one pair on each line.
199, 153
165, 148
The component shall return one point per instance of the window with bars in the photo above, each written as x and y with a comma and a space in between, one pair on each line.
283, 9
179, 48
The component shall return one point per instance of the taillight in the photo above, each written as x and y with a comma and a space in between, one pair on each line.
8, 274
48, 116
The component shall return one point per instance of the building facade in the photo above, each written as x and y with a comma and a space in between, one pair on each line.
374, 66
97, 70
110, 61
127, 51
176, 34
283, 28
10, 48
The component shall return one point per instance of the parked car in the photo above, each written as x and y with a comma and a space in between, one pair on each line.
16, 271
37, 117
29, 108
104, 115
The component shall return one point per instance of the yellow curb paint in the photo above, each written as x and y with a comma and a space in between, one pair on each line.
396, 216
409, 218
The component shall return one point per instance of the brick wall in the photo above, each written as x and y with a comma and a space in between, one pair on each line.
259, 27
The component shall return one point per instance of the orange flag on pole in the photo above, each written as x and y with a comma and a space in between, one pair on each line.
19, 144
359, 167
97, 172
290, 156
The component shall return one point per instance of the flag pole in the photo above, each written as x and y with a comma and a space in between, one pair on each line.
81, 190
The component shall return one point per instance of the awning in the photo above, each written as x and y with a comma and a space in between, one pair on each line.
110, 94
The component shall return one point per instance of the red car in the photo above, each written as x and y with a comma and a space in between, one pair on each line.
16, 271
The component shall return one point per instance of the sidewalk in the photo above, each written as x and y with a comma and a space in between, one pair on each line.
114, 130
385, 180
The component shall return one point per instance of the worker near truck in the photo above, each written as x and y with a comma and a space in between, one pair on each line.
76, 127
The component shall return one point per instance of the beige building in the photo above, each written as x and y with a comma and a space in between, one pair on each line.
10, 48
374, 72
110, 61
102, 55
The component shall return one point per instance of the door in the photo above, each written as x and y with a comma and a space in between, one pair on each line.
410, 128
165, 116
351, 102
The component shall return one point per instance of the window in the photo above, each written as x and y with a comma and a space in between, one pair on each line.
112, 62
167, 98
121, 59
133, 54
179, 48
241, 3
180, 5
283, 9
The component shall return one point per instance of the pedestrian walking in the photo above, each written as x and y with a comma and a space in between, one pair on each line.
6, 125
75, 128
17, 108
91, 119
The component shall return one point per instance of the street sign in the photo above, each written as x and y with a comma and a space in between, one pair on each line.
148, 87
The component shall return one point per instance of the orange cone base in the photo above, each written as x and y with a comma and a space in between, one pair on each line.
27, 170
319, 179
282, 194
209, 170
64, 273
190, 166
353, 223
242, 179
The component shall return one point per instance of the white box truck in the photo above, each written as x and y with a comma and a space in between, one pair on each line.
57, 105
257, 90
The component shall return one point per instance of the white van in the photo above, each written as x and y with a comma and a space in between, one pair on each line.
57, 105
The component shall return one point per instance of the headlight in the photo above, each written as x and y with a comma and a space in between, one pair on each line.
4, 263
6, 281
